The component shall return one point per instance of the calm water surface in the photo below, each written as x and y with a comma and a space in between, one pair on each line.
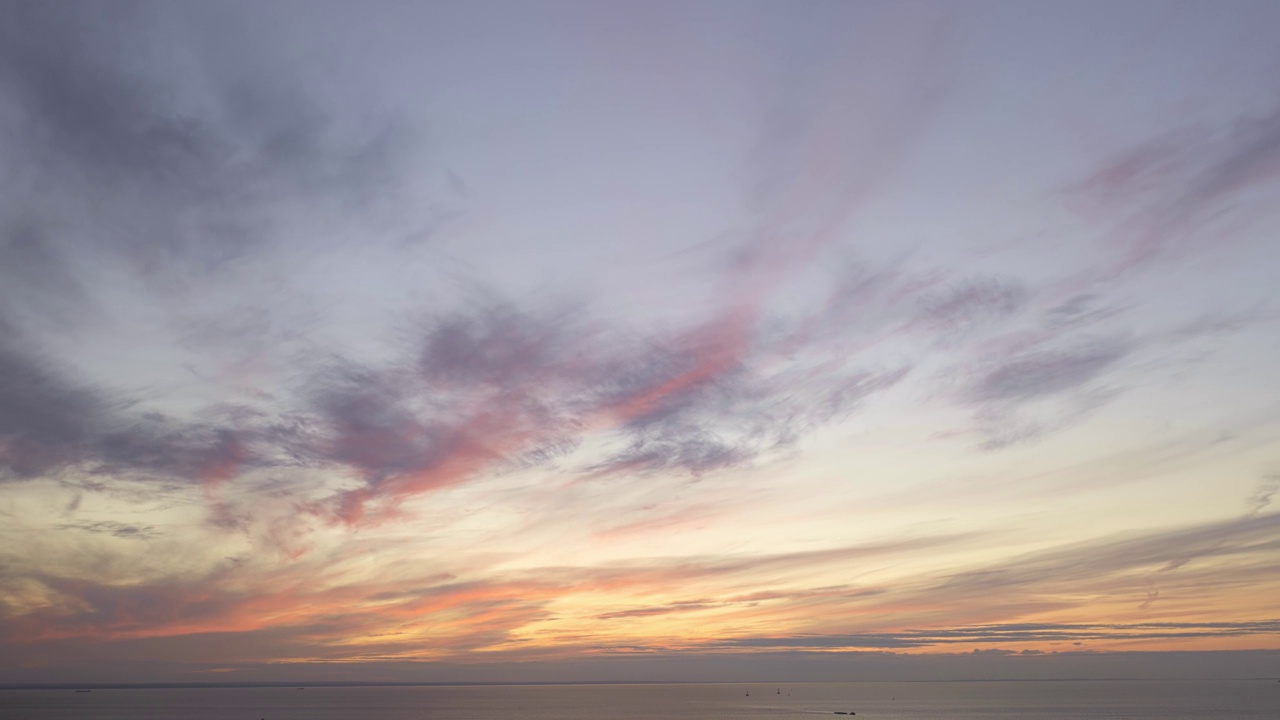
1114, 700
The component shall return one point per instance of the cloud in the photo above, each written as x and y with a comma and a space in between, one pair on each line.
39, 278
114, 528
180, 170
792, 598
487, 389
332, 614
709, 398
686, 449
1045, 373
1261, 498
151, 151
1158, 202
120, 163
484, 389
686, 606
95, 107
745, 414
1076, 312
49, 422
1036, 584
314, 609
174, 195
1014, 633
1028, 385
971, 305
44, 416
1128, 565
497, 345
1248, 154
1172, 192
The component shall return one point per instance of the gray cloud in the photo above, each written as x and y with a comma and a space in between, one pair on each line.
151, 151
182, 171
50, 421
971, 305
488, 388
218, 598
1024, 393
373, 426
1249, 153
179, 194
120, 155
1268, 486
126, 531
182, 155
38, 277
687, 606
1126, 564
44, 416
1014, 633
497, 345
688, 449
743, 414
1171, 194
1043, 373
1076, 312
482, 389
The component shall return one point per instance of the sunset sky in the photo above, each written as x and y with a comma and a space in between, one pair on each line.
653, 340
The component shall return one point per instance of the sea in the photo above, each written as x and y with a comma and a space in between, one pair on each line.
998, 700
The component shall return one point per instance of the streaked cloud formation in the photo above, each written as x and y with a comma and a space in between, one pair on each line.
653, 330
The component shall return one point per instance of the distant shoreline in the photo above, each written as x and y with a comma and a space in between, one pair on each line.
357, 684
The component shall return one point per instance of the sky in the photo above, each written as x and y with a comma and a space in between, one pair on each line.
655, 340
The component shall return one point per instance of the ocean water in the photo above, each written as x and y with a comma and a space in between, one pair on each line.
1063, 700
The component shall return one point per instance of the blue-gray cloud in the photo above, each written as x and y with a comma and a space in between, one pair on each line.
1042, 373
971, 305
1014, 633
127, 531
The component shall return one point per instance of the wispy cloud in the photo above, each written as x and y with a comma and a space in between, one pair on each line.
280, 367
1039, 374
43, 416
1268, 486
536, 610
1174, 193
1016, 633
113, 528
